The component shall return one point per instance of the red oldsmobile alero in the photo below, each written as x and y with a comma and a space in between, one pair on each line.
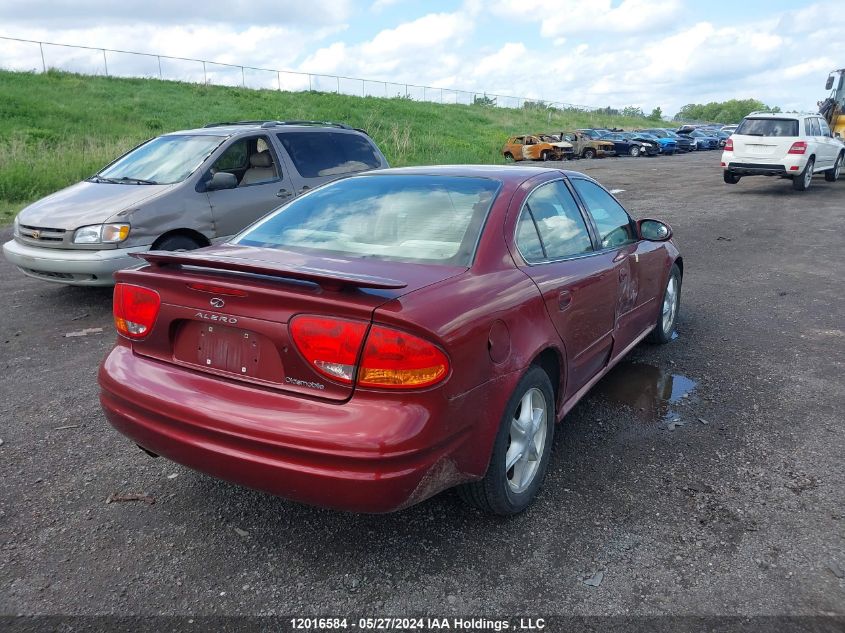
390, 335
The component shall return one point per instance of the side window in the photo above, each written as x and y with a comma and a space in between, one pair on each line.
234, 157
563, 233
614, 224
527, 240
317, 154
813, 127
825, 129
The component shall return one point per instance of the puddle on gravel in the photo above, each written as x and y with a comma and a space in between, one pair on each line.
648, 390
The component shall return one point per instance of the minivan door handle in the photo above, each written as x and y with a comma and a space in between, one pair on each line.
283, 193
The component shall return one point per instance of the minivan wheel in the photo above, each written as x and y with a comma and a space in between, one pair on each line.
802, 181
521, 452
669, 307
832, 175
731, 178
176, 243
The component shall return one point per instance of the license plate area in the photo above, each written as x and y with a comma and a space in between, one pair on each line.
222, 349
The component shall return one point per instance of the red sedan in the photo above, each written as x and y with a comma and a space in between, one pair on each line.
390, 335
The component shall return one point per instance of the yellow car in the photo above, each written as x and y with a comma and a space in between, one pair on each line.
536, 147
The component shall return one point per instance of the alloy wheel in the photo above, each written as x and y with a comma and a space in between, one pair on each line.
527, 440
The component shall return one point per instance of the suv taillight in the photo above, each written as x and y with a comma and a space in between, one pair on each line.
729, 145
391, 359
135, 310
798, 147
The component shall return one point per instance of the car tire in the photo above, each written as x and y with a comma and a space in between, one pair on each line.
634, 151
589, 153
502, 491
802, 181
832, 175
176, 243
670, 305
731, 178
509, 157
545, 155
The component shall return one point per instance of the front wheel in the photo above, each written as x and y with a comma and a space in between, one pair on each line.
521, 452
589, 153
634, 151
176, 243
731, 178
832, 175
668, 315
802, 181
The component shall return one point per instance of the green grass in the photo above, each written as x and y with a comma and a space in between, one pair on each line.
58, 128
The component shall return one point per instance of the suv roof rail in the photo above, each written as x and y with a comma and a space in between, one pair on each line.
270, 123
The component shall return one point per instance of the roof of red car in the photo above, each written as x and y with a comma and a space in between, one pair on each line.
517, 173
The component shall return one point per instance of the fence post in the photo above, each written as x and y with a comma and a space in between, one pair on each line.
243, 78
423, 93
338, 84
279, 80
385, 90
309, 82
406, 91
204, 75
43, 63
160, 76
363, 90
105, 63
441, 95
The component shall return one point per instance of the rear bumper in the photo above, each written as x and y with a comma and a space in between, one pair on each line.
759, 169
74, 267
369, 454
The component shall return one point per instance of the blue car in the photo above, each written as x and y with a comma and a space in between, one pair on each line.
667, 143
703, 141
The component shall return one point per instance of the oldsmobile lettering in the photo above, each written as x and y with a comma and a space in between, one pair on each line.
220, 318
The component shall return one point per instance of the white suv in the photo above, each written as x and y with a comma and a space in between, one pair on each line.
785, 144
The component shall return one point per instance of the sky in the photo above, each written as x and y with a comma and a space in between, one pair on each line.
641, 53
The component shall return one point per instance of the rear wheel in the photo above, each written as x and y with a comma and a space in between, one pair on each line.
802, 181
665, 326
731, 178
634, 151
545, 155
521, 452
509, 157
832, 175
589, 153
176, 243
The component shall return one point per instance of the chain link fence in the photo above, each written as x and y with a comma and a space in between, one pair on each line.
36, 56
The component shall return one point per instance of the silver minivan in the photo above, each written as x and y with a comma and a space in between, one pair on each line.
181, 191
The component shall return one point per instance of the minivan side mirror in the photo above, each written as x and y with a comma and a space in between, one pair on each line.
654, 230
222, 180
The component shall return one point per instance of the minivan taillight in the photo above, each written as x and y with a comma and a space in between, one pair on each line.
135, 310
729, 145
798, 147
391, 359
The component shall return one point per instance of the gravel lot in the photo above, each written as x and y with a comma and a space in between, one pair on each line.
702, 477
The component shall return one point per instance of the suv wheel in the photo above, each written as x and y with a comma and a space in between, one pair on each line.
731, 178
802, 181
589, 153
832, 175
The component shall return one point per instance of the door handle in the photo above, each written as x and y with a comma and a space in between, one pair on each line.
619, 257
304, 189
564, 299
283, 193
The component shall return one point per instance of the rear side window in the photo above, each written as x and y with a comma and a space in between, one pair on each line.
825, 129
553, 211
813, 127
614, 224
317, 154
768, 127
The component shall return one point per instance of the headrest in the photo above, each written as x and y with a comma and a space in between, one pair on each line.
260, 159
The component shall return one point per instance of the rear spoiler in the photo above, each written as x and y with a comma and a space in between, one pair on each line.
325, 278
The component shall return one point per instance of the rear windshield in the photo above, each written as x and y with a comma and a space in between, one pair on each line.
768, 127
317, 154
413, 218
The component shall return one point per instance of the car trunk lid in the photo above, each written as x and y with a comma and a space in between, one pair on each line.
225, 310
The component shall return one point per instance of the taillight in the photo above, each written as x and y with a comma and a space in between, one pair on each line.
798, 147
135, 310
391, 359
397, 360
218, 290
329, 345
729, 145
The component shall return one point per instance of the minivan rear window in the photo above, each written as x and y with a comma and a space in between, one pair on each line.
768, 127
317, 154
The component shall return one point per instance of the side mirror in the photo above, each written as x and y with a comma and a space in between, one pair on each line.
222, 180
654, 230
829, 83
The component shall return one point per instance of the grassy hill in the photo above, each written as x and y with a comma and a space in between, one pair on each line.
58, 128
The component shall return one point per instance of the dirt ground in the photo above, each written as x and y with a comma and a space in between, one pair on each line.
702, 477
